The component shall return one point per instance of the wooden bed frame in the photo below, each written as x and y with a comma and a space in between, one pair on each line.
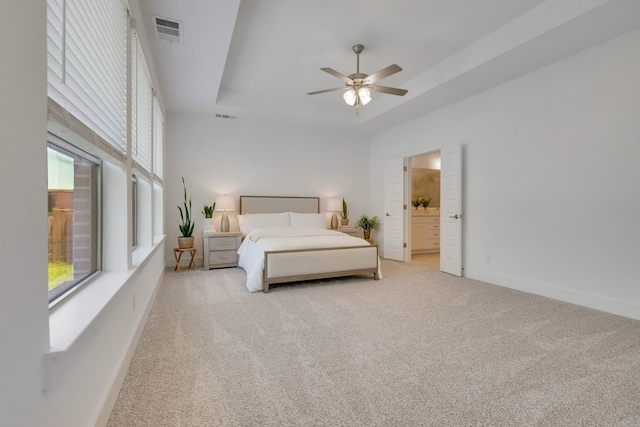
308, 264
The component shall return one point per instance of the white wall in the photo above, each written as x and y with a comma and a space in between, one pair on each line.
238, 157
24, 335
551, 186
83, 381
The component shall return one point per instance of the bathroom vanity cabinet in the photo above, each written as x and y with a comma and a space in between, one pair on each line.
425, 233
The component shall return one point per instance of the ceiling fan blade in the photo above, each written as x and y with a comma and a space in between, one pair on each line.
389, 90
337, 74
327, 90
385, 72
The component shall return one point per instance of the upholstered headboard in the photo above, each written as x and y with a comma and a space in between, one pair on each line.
276, 204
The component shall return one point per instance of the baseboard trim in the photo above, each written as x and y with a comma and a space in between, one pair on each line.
171, 263
597, 302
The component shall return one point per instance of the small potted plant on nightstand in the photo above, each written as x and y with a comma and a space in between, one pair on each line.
367, 224
207, 211
186, 228
344, 215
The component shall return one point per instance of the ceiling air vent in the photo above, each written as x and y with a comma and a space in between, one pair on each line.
168, 30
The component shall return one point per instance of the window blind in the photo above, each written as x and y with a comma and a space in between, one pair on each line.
142, 103
86, 61
55, 49
158, 140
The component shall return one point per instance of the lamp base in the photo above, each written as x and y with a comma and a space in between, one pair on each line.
334, 221
224, 223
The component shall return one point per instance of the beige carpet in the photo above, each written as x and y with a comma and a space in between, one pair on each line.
417, 348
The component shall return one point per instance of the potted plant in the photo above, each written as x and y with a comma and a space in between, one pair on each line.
367, 224
420, 202
207, 211
186, 228
344, 215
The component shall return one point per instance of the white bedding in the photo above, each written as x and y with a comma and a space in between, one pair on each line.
253, 247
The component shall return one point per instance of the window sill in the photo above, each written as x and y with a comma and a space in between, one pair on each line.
68, 322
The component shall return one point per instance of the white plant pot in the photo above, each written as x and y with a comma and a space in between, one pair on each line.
208, 225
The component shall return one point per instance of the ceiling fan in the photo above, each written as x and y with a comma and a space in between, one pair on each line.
358, 86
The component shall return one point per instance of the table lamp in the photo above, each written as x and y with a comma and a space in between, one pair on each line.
334, 205
224, 204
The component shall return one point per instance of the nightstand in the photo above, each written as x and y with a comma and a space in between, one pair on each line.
351, 231
220, 249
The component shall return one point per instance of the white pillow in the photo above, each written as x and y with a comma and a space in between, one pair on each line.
308, 220
249, 222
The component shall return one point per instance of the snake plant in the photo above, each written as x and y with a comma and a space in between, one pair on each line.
345, 211
186, 228
208, 210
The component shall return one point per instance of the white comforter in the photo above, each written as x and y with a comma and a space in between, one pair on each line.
254, 245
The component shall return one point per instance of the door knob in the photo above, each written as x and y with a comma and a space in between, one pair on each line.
455, 216
387, 214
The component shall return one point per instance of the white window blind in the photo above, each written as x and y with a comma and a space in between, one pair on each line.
55, 49
142, 103
133, 93
158, 140
86, 53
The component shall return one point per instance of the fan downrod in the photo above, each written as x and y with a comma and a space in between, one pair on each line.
357, 49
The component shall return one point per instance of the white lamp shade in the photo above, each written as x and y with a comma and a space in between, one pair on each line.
334, 205
365, 95
350, 97
225, 203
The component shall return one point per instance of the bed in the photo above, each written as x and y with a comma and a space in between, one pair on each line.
285, 239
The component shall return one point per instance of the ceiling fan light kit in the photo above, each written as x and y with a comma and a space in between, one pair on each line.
361, 97
359, 86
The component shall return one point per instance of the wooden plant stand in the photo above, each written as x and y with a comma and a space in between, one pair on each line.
177, 254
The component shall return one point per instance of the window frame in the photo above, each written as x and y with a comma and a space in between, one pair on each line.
58, 144
134, 211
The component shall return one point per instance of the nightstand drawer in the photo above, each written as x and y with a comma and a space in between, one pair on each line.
222, 257
223, 243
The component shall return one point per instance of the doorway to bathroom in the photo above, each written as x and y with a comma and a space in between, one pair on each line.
424, 220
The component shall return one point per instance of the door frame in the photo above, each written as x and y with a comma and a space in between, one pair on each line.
407, 200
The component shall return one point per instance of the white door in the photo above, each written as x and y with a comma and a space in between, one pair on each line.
394, 214
451, 210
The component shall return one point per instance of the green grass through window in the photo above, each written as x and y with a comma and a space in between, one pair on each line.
59, 272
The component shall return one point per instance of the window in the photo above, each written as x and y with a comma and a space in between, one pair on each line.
102, 102
74, 217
